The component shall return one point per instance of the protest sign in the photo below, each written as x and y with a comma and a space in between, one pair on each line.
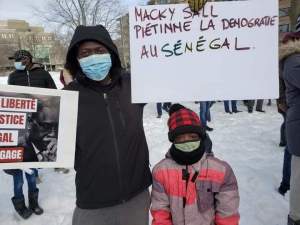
228, 51
37, 127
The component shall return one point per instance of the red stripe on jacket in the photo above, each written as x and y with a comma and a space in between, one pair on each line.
163, 215
211, 175
231, 220
175, 186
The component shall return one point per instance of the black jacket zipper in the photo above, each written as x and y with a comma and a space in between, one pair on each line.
116, 146
120, 113
28, 78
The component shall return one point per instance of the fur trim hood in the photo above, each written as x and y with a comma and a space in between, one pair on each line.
289, 48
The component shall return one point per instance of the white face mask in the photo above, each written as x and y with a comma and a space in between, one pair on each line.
188, 146
19, 66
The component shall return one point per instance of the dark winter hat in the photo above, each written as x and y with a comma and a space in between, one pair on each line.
291, 36
20, 54
183, 120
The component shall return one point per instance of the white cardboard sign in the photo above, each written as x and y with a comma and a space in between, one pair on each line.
229, 51
37, 127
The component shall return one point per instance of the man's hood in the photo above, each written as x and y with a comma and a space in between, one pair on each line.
91, 33
36, 66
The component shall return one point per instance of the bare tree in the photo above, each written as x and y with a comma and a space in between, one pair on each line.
30, 42
70, 13
59, 49
6, 50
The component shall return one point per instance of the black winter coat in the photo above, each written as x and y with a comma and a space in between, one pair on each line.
292, 82
35, 77
112, 158
290, 54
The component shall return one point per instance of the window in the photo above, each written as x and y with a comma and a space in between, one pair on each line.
284, 12
284, 28
163, 1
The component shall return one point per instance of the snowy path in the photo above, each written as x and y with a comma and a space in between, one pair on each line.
249, 142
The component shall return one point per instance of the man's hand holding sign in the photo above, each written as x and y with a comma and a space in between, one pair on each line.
196, 5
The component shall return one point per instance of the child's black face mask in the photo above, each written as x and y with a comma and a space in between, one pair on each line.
187, 157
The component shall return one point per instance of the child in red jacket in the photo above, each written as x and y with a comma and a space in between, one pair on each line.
191, 186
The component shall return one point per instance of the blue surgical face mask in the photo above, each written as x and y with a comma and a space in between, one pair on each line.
96, 67
19, 66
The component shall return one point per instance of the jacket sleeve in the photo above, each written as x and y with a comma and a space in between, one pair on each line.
281, 102
49, 81
292, 70
227, 200
160, 208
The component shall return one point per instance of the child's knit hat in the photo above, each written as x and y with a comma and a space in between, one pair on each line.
183, 120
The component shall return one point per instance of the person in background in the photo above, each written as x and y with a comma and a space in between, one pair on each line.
18, 199
165, 106
205, 114
259, 105
290, 57
282, 109
269, 102
233, 107
28, 73
191, 186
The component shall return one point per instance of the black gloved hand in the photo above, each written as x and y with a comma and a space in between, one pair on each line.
196, 5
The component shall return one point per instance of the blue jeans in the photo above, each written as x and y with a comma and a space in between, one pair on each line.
233, 106
286, 170
19, 181
205, 112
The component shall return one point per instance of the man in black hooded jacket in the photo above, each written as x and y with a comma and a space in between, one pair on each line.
28, 73
112, 158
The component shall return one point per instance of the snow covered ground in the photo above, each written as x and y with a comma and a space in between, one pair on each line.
249, 142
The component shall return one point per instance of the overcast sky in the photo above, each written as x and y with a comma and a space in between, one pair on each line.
21, 9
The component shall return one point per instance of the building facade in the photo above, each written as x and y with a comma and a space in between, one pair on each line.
289, 10
284, 18
18, 34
